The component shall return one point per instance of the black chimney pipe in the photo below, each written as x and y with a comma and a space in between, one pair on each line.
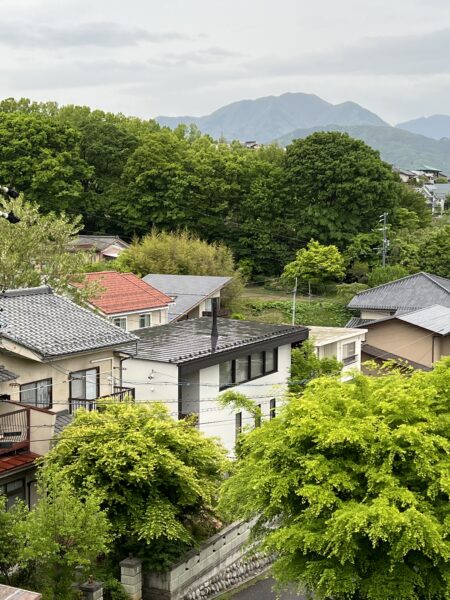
214, 329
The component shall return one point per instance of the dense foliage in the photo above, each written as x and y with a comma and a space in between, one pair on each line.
125, 175
36, 250
43, 548
356, 476
155, 477
306, 365
315, 264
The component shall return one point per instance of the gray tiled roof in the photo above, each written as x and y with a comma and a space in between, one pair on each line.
186, 340
6, 375
408, 293
433, 318
188, 290
63, 419
99, 242
357, 322
53, 326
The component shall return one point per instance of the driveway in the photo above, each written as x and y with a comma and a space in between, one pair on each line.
262, 590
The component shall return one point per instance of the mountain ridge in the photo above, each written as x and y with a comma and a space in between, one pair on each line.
270, 117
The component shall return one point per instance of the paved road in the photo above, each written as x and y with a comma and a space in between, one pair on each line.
262, 590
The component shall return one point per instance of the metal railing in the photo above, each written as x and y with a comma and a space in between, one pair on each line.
15, 431
120, 394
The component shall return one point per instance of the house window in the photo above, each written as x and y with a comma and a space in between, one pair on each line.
257, 364
145, 320
238, 424
246, 368
84, 385
37, 393
121, 322
258, 417
273, 408
14, 490
270, 361
208, 305
226, 374
349, 353
242, 371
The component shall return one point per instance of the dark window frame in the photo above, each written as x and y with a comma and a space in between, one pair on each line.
238, 424
249, 367
50, 392
273, 408
97, 381
13, 494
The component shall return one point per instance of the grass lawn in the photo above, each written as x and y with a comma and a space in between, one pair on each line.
274, 306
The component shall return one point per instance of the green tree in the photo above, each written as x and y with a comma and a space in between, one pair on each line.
338, 187
306, 365
381, 275
35, 251
11, 542
61, 533
315, 264
156, 478
41, 157
356, 477
180, 253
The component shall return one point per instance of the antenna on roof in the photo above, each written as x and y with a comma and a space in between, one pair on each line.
214, 328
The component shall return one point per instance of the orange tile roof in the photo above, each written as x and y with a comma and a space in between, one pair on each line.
17, 460
124, 292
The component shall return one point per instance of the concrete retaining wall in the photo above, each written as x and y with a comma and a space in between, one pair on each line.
218, 565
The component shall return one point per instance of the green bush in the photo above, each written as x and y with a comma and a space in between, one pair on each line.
381, 275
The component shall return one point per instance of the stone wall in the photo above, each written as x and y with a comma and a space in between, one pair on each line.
220, 564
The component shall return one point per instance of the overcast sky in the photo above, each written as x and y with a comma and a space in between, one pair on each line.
174, 57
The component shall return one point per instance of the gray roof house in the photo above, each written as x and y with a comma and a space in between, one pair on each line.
56, 357
407, 320
192, 294
187, 364
103, 247
402, 295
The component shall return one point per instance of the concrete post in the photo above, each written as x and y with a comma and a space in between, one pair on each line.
131, 577
92, 590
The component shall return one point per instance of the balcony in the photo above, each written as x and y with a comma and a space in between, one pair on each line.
15, 431
120, 394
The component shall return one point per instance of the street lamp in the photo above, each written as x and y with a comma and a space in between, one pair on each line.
8, 193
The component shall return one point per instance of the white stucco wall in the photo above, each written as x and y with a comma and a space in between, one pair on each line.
153, 381
201, 391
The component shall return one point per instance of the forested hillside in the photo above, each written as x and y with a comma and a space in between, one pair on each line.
396, 145
125, 176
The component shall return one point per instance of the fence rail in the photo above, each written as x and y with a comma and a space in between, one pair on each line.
14, 431
120, 394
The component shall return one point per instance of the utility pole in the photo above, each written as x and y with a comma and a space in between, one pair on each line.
385, 243
294, 298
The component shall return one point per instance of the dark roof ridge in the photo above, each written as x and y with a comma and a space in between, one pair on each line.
32, 291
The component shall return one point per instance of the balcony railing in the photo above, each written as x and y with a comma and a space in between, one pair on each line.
15, 431
120, 394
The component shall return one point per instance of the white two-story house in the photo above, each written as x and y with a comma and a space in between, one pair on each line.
188, 364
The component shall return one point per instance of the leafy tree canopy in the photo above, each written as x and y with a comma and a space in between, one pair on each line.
315, 264
180, 253
338, 186
156, 478
306, 365
356, 477
381, 275
36, 250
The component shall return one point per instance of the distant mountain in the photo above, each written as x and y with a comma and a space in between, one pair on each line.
396, 146
436, 126
265, 119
